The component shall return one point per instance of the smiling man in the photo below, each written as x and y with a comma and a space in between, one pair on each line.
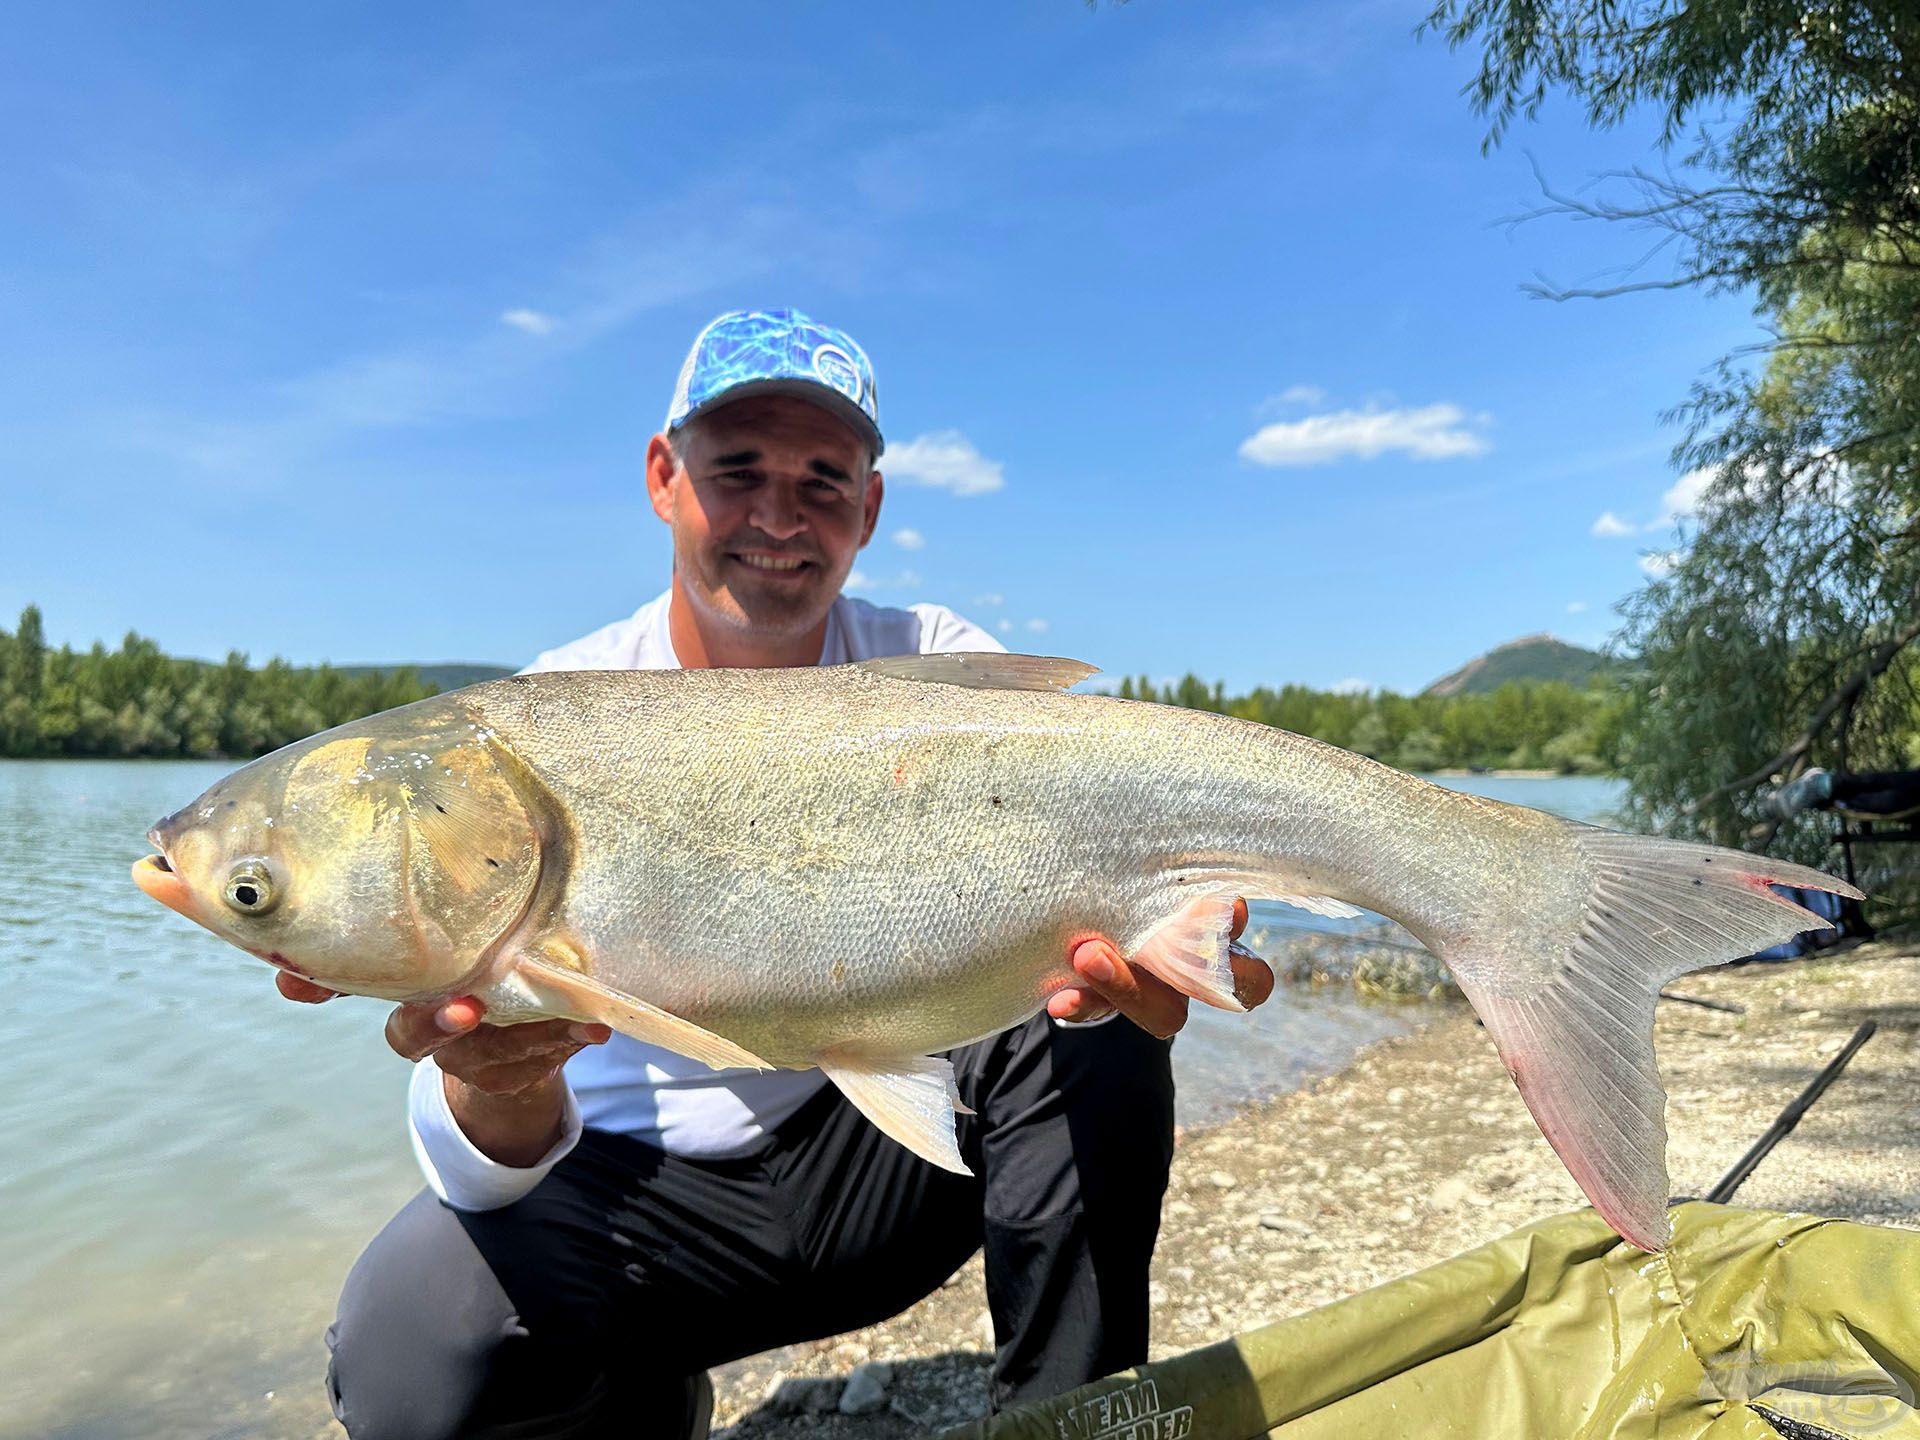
606, 1220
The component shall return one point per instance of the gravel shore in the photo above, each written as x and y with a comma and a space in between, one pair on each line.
1416, 1151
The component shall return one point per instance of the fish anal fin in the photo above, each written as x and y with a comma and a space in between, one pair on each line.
984, 670
1190, 953
910, 1098
545, 982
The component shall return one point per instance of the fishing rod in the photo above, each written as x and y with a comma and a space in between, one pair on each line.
1789, 1117
1728, 1006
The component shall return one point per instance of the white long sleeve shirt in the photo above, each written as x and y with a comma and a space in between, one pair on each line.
625, 1086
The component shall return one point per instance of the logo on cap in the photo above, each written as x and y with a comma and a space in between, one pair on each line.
836, 368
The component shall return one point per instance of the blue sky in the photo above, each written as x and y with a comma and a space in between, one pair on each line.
337, 332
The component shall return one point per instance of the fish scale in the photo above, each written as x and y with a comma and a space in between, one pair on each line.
859, 867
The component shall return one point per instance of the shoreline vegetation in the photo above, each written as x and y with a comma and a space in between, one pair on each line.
137, 701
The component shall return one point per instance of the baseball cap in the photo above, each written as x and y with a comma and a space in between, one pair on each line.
778, 352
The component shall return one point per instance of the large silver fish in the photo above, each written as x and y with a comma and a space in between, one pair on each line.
859, 866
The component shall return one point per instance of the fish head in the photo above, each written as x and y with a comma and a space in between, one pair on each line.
387, 857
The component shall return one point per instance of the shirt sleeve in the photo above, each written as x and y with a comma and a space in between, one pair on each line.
942, 632
455, 1169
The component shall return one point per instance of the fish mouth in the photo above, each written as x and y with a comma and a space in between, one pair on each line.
154, 875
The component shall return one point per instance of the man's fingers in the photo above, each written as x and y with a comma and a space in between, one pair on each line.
1252, 976
1153, 1005
1077, 1005
499, 1059
416, 1031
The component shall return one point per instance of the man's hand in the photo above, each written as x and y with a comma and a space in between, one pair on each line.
1112, 984
503, 1081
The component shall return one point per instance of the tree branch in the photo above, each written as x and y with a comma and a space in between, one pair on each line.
1878, 660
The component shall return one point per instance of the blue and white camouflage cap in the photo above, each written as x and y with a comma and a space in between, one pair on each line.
778, 352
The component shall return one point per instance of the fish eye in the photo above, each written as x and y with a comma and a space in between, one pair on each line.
250, 888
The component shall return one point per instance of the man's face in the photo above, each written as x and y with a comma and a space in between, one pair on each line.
772, 499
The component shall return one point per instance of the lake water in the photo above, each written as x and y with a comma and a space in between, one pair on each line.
189, 1164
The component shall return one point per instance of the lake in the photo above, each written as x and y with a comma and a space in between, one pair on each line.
189, 1164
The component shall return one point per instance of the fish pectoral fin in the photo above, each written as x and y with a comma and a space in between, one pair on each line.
911, 1098
559, 991
984, 670
1189, 951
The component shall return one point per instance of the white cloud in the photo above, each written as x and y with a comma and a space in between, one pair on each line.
1038, 627
1431, 432
1683, 497
1657, 563
909, 539
1576, 607
946, 460
1290, 401
1005, 627
860, 580
1352, 685
1610, 526
990, 601
531, 321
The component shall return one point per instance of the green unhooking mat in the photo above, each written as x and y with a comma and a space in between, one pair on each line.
1752, 1326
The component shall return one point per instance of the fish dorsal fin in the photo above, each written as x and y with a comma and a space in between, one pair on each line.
984, 670
541, 985
911, 1098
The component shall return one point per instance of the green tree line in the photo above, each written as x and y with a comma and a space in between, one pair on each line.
1539, 725
138, 701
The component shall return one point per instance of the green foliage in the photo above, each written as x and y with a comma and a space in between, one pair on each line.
1784, 633
137, 701
1545, 725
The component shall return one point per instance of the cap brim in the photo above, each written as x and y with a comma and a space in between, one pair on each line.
812, 391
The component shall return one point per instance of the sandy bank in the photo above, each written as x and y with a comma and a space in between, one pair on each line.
1421, 1149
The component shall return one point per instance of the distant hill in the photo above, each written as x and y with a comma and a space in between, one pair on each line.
1531, 657
447, 677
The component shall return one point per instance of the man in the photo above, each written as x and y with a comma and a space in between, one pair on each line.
606, 1220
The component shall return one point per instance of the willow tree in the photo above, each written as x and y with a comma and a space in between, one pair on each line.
1783, 632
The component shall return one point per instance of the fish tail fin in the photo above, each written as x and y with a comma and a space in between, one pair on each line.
1629, 914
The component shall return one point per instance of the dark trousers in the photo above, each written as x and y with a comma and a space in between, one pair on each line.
581, 1309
